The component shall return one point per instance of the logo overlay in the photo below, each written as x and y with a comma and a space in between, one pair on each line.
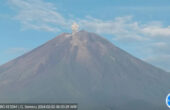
168, 100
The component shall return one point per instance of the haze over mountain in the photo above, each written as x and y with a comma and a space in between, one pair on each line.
87, 69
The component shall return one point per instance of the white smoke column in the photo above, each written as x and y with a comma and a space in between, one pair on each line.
75, 28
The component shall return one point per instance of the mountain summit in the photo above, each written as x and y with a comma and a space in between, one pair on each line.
87, 69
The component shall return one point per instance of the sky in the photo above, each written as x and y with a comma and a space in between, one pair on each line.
140, 27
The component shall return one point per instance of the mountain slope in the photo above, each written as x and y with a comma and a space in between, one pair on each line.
87, 69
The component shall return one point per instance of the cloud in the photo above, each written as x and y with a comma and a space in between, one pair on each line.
126, 28
122, 28
154, 30
38, 15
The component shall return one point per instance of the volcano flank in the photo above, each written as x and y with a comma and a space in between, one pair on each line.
87, 69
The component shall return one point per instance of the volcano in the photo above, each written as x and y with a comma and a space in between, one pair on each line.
87, 69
